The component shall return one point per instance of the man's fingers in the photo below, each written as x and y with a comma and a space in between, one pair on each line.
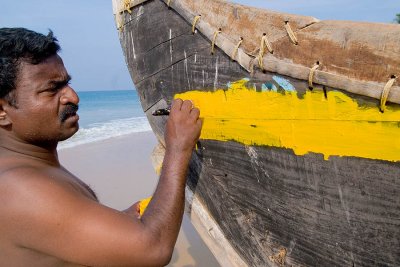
187, 105
195, 113
199, 124
176, 105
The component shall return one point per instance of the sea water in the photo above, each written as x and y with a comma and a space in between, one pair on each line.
107, 114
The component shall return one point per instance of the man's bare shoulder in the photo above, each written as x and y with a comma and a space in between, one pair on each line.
33, 193
27, 179
18, 178
28, 188
34, 205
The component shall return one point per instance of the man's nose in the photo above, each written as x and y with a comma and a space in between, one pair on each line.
69, 96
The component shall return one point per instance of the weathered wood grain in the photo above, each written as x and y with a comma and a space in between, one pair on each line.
341, 212
352, 55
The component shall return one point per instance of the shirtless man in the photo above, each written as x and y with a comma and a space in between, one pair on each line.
48, 217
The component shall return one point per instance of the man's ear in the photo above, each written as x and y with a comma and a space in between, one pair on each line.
4, 118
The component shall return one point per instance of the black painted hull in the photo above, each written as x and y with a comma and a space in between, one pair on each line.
283, 209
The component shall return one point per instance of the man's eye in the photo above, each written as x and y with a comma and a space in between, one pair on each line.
53, 89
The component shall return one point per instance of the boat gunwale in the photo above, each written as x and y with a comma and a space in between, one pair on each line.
272, 63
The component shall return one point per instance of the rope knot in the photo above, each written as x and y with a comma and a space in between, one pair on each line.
237, 48
385, 93
195, 20
214, 39
311, 75
291, 34
127, 5
264, 44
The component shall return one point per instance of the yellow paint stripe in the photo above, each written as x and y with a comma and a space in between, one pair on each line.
336, 126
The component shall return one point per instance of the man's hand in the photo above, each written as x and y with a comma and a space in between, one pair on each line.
183, 127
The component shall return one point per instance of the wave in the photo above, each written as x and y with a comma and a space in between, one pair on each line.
105, 130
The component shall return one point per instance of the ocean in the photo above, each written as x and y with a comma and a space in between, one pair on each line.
107, 114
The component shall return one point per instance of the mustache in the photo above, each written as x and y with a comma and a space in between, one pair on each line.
70, 110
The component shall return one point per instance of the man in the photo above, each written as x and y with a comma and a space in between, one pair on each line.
48, 217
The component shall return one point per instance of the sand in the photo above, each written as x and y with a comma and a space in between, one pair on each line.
119, 170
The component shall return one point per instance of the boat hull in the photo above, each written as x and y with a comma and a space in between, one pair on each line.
274, 205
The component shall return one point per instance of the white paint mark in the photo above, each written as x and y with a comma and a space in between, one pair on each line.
255, 162
126, 44
195, 57
291, 246
344, 206
133, 46
203, 77
140, 11
187, 70
172, 73
170, 43
216, 74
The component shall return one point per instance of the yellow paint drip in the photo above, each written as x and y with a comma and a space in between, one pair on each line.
333, 126
143, 205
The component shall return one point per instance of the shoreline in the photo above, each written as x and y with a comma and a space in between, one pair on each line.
119, 170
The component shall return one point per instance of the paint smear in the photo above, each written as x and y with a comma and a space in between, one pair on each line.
333, 126
143, 205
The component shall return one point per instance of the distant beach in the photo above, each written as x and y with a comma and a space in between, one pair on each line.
111, 153
107, 114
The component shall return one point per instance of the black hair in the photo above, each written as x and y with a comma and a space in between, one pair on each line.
21, 45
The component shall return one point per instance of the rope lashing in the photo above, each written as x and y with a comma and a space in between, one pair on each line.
127, 5
311, 75
119, 27
385, 93
169, 3
195, 20
291, 34
237, 48
264, 44
120, 22
214, 39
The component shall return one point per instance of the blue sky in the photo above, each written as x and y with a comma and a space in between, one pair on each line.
89, 40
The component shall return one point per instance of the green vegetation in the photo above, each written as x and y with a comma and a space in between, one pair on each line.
397, 19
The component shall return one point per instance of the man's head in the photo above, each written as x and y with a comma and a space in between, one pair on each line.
37, 105
19, 45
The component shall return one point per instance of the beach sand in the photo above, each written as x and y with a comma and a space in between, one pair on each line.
119, 170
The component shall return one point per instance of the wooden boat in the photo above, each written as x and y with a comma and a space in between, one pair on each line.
298, 162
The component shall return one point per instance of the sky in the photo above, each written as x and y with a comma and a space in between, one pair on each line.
89, 39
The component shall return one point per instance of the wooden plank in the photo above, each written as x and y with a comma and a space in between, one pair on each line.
370, 89
338, 212
211, 234
367, 42
119, 5
202, 220
331, 213
348, 52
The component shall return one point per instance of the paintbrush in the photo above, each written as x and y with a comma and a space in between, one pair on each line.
162, 112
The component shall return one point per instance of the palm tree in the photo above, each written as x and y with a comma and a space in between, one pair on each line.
397, 19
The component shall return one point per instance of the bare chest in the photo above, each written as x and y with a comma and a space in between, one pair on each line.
11, 256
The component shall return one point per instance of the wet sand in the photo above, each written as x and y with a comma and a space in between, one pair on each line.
119, 170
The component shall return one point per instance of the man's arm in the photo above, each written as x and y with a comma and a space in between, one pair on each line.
165, 211
51, 217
